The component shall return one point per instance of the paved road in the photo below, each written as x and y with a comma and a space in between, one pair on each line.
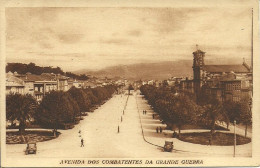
102, 140
187, 149
100, 133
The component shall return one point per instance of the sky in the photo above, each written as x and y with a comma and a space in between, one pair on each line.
97, 37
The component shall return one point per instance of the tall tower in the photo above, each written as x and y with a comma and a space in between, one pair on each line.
198, 63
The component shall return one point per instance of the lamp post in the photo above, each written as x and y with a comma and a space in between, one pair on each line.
235, 140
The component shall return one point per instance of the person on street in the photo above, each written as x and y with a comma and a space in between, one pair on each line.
82, 142
210, 140
157, 129
174, 135
153, 116
160, 129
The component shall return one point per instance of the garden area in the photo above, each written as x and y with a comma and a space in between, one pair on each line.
57, 110
13, 137
181, 110
218, 138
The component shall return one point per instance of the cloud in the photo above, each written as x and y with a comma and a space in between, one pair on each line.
75, 55
91, 35
116, 41
70, 38
135, 33
169, 20
229, 48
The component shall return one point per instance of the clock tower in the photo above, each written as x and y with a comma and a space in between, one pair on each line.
198, 63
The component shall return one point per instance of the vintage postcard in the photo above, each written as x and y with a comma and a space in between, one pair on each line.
129, 83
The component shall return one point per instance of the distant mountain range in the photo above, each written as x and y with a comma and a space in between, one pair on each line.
144, 71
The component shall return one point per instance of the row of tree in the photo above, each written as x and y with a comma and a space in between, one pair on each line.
180, 108
37, 70
57, 108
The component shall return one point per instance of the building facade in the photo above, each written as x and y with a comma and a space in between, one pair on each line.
224, 82
35, 85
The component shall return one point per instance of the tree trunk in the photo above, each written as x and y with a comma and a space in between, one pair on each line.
213, 127
246, 131
55, 129
179, 127
80, 115
227, 125
22, 127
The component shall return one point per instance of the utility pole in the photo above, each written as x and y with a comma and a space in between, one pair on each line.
235, 139
252, 40
252, 46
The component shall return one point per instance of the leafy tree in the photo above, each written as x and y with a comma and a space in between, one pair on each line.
93, 99
34, 69
81, 98
20, 107
130, 87
165, 83
174, 109
56, 109
214, 111
101, 93
185, 111
246, 113
233, 111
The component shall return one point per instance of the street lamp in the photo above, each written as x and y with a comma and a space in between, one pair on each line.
235, 140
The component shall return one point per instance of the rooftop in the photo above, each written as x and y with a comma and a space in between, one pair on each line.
226, 68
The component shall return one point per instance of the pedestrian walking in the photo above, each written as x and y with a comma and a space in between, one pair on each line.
153, 116
118, 129
160, 129
82, 142
143, 111
157, 129
210, 138
175, 134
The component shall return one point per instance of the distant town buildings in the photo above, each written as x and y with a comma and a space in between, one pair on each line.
225, 82
40, 85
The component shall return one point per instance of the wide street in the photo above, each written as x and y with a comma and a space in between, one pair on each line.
99, 131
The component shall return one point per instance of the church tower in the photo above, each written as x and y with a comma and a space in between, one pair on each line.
198, 63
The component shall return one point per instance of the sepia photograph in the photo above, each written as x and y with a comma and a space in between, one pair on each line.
129, 84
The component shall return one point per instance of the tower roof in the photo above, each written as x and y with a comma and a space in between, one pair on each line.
198, 51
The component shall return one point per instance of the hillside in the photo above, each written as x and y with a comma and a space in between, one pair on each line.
144, 71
